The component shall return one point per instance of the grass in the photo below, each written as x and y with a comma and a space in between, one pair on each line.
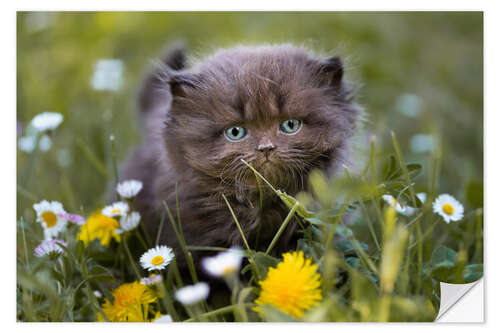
421, 74
379, 266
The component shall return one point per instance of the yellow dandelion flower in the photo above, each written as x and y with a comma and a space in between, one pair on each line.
101, 227
131, 303
293, 286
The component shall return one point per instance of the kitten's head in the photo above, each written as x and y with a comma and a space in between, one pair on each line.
279, 108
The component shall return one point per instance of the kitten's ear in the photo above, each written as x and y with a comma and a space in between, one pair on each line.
180, 81
154, 90
333, 68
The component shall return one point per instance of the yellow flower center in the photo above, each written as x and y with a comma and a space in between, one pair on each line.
49, 218
394, 202
115, 211
227, 270
448, 209
158, 260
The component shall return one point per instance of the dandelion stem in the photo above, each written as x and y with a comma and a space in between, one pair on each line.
237, 223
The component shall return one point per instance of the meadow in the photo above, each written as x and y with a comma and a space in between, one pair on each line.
420, 81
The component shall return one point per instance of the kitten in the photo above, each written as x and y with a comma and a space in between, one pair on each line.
280, 108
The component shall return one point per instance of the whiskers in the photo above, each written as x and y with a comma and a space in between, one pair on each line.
286, 170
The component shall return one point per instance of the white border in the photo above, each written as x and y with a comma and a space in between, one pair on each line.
8, 169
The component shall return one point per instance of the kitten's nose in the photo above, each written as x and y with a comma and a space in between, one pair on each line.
266, 146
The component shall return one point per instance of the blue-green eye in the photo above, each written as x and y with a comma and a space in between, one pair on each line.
290, 126
235, 133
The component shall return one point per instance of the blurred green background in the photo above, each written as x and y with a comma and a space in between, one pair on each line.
419, 74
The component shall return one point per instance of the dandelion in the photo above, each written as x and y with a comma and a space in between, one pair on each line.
129, 222
47, 213
448, 207
50, 246
151, 280
46, 121
130, 303
157, 258
223, 264
99, 226
73, 218
116, 209
163, 318
129, 188
193, 294
293, 286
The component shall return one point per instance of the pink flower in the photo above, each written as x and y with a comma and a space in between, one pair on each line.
73, 218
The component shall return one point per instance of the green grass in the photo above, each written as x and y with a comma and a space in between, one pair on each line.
421, 74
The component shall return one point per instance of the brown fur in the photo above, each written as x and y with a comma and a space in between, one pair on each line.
186, 112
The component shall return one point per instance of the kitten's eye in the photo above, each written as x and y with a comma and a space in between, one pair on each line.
235, 133
290, 126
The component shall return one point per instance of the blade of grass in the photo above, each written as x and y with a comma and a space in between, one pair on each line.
282, 227
92, 158
224, 310
160, 229
237, 223
258, 174
404, 168
182, 243
365, 210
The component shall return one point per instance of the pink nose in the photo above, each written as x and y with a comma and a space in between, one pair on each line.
266, 146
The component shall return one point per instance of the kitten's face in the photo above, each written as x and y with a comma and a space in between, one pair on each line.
279, 110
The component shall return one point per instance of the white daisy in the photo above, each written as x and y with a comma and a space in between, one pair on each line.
129, 188
97, 294
152, 279
108, 75
422, 196
192, 294
129, 222
47, 121
27, 143
49, 214
224, 263
157, 258
116, 209
164, 319
402, 209
393, 203
49, 246
448, 207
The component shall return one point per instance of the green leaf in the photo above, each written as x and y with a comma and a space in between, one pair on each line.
100, 273
442, 262
263, 262
348, 248
473, 272
290, 203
